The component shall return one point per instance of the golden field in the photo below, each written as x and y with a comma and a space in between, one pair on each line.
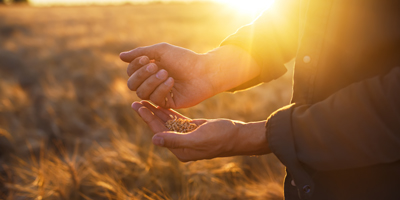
66, 127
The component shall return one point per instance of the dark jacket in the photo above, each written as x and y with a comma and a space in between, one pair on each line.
340, 136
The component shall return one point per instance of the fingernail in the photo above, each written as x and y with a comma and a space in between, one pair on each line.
135, 105
159, 141
162, 74
151, 68
143, 60
169, 81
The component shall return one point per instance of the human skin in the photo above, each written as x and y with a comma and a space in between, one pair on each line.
212, 138
191, 77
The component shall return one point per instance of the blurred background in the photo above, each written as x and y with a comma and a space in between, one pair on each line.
66, 127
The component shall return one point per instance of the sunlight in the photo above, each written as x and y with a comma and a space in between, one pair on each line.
100, 2
248, 6
243, 6
81, 2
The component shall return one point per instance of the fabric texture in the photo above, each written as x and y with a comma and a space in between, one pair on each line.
340, 137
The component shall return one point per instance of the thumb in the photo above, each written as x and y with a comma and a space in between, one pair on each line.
153, 52
173, 140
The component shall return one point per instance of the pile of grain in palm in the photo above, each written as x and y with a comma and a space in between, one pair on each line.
180, 125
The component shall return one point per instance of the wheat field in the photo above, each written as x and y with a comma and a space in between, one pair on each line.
66, 127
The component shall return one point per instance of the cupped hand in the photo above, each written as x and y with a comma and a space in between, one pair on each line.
169, 76
212, 138
175, 77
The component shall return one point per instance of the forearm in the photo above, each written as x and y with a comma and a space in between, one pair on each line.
229, 66
271, 40
355, 127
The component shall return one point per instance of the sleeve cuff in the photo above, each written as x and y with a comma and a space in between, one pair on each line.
281, 142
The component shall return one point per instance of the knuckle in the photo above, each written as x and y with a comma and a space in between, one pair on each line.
141, 95
136, 62
143, 57
157, 97
139, 49
154, 99
128, 70
130, 85
163, 44
183, 159
141, 74
174, 144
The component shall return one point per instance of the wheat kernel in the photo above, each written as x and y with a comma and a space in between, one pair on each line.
180, 125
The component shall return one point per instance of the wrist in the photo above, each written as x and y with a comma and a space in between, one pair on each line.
252, 138
228, 67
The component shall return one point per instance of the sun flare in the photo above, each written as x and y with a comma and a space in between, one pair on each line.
249, 6
242, 6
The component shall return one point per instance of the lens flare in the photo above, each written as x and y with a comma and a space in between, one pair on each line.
248, 6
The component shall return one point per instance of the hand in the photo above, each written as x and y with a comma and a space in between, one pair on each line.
191, 77
212, 138
190, 81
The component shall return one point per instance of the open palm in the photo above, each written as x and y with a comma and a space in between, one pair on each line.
212, 138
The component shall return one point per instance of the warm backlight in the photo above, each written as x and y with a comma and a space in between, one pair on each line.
244, 6
82, 2
249, 6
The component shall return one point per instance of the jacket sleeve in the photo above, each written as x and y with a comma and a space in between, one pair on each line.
271, 40
357, 126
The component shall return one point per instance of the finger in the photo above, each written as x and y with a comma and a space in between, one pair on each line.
138, 77
173, 140
163, 116
162, 94
136, 64
136, 105
150, 84
155, 123
168, 112
153, 52
173, 113
199, 122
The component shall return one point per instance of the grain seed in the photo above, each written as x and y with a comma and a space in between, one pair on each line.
180, 125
